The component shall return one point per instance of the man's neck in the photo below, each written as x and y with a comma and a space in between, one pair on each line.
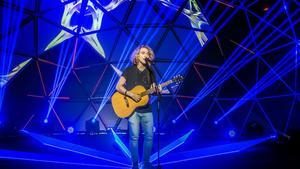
140, 66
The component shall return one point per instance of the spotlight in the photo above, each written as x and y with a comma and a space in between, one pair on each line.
92, 126
70, 130
46, 121
216, 122
174, 121
231, 133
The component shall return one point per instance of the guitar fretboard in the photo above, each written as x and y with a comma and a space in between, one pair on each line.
151, 90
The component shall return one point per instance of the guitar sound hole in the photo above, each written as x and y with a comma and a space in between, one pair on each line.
126, 101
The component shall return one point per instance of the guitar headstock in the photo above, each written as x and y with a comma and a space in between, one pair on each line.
177, 79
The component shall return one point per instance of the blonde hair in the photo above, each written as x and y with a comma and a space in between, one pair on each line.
136, 52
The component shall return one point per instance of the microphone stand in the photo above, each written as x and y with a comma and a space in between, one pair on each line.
151, 73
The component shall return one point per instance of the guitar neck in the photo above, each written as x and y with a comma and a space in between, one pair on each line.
151, 90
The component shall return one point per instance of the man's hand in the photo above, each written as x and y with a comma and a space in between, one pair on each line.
156, 89
134, 96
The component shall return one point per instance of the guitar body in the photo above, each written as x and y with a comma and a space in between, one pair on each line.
124, 106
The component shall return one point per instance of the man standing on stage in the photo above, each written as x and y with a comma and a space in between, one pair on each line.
140, 73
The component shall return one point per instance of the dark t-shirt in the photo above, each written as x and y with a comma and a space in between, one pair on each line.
136, 77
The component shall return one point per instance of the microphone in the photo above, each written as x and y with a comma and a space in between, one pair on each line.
149, 61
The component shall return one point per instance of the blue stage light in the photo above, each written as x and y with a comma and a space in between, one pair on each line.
226, 71
120, 143
70, 130
78, 149
173, 145
45, 121
231, 133
92, 126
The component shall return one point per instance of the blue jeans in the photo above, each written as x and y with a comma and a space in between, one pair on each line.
146, 120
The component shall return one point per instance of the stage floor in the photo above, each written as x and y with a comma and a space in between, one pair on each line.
23, 151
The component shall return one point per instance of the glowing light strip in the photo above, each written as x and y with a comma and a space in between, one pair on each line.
181, 107
198, 73
279, 78
26, 156
219, 45
206, 65
211, 84
277, 48
8, 43
210, 11
28, 121
121, 144
252, 3
276, 96
289, 18
63, 145
197, 20
171, 146
225, 3
98, 82
183, 66
59, 71
193, 100
49, 62
180, 68
290, 115
247, 49
212, 151
36, 96
269, 23
41, 78
256, 101
170, 70
57, 117
265, 81
207, 4
63, 77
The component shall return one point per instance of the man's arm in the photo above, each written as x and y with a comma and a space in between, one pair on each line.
120, 88
120, 85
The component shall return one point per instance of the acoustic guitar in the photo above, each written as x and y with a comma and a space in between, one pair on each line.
124, 106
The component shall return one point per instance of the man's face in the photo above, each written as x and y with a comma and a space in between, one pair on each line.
143, 55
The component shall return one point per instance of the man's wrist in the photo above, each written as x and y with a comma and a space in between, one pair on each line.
128, 93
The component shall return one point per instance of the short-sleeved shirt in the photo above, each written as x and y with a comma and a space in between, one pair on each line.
136, 77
